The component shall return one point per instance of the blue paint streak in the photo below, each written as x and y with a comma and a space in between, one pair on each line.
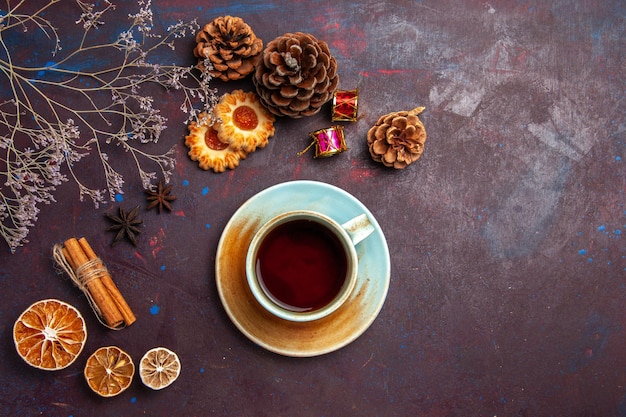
582, 251
49, 64
162, 267
119, 198
601, 228
205, 190
244, 9
133, 400
621, 408
590, 347
597, 43
154, 310
208, 226
185, 183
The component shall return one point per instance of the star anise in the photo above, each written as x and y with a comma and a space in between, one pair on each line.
126, 224
160, 198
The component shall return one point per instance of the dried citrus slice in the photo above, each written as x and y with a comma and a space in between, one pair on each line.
109, 371
159, 367
50, 334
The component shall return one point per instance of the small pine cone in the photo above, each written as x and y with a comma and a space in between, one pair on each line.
397, 139
231, 46
297, 75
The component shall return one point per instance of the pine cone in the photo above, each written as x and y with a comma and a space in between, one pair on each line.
231, 46
297, 75
397, 139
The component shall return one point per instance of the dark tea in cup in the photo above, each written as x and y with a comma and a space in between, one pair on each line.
301, 265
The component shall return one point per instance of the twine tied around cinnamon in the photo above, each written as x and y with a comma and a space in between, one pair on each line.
90, 275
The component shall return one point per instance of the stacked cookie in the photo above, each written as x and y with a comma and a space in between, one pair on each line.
239, 125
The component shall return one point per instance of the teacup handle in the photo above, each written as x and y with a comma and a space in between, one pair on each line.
358, 228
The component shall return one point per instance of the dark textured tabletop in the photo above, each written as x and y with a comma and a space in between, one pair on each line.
506, 239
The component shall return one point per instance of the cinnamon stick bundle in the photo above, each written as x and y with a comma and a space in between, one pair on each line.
93, 276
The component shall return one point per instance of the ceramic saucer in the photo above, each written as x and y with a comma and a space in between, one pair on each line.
310, 338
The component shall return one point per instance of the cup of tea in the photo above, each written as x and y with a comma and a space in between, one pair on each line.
302, 265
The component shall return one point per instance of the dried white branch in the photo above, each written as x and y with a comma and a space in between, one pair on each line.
58, 115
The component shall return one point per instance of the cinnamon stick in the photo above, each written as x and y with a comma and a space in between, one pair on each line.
100, 295
69, 259
107, 281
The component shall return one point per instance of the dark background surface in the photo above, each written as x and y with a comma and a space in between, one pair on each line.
506, 238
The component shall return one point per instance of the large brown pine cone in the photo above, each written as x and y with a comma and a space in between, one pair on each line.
297, 75
231, 46
397, 139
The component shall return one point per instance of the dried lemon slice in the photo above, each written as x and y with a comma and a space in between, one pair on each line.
159, 367
242, 121
109, 371
50, 334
